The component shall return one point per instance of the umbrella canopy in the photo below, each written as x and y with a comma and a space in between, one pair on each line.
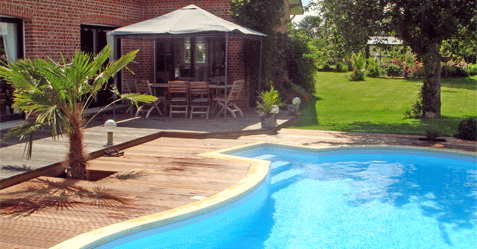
185, 21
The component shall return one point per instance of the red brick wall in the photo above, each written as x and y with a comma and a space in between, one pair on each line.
143, 64
236, 68
52, 28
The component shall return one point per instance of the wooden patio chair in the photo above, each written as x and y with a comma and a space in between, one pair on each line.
144, 87
178, 92
228, 102
199, 98
129, 86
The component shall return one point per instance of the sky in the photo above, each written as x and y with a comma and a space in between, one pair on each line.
298, 18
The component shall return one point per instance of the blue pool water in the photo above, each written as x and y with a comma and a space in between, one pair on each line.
339, 199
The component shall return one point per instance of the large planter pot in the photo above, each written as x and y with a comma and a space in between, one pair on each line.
293, 109
268, 120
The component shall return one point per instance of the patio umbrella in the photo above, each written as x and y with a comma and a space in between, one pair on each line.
189, 20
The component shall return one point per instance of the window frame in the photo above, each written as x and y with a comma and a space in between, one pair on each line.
20, 34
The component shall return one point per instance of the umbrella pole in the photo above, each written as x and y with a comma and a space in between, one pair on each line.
260, 68
116, 80
226, 70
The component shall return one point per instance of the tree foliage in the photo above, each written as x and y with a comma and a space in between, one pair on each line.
260, 15
300, 58
285, 56
423, 25
264, 16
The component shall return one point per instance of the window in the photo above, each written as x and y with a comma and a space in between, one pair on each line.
199, 49
93, 40
11, 49
194, 58
217, 56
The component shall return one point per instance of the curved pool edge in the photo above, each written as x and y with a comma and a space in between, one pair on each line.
255, 176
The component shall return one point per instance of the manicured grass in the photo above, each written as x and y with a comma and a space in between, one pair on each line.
377, 105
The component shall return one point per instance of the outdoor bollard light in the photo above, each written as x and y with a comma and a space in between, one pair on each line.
110, 125
296, 101
275, 109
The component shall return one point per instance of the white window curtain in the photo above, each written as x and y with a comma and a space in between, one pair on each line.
110, 40
10, 36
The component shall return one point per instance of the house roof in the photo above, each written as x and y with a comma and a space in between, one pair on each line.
188, 20
296, 7
384, 40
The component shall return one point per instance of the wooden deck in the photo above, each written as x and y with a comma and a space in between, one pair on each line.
163, 174
48, 153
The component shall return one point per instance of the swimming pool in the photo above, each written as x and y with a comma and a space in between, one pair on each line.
345, 198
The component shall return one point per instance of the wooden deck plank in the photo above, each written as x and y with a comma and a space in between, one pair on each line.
171, 173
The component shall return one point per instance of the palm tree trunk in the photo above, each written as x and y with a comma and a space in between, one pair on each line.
76, 160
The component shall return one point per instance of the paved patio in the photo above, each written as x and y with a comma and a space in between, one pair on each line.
160, 170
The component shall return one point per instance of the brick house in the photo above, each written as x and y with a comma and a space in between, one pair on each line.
50, 28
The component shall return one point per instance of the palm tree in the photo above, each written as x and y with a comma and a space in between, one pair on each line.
59, 93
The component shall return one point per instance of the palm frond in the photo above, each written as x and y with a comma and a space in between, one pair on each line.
268, 99
25, 131
114, 67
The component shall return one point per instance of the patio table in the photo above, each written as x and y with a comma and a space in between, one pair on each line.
214, 87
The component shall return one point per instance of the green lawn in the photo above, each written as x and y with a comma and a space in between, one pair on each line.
378, 105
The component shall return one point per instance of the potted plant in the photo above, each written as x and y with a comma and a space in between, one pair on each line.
269, 106
432, 134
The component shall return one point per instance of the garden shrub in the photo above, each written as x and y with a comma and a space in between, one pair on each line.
416, 109
432, 133
417, 71
467, 129
327, 67
357, 75
288, 91
373, 69
340, 67
358, 61
299, 61
472, 68
455, 69
394, 70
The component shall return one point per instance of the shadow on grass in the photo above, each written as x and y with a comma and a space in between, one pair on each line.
445, 126
45, 194
308, 113
456, 82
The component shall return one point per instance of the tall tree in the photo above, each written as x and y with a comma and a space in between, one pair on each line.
265, 16
60, 93
421, 24
311, 25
